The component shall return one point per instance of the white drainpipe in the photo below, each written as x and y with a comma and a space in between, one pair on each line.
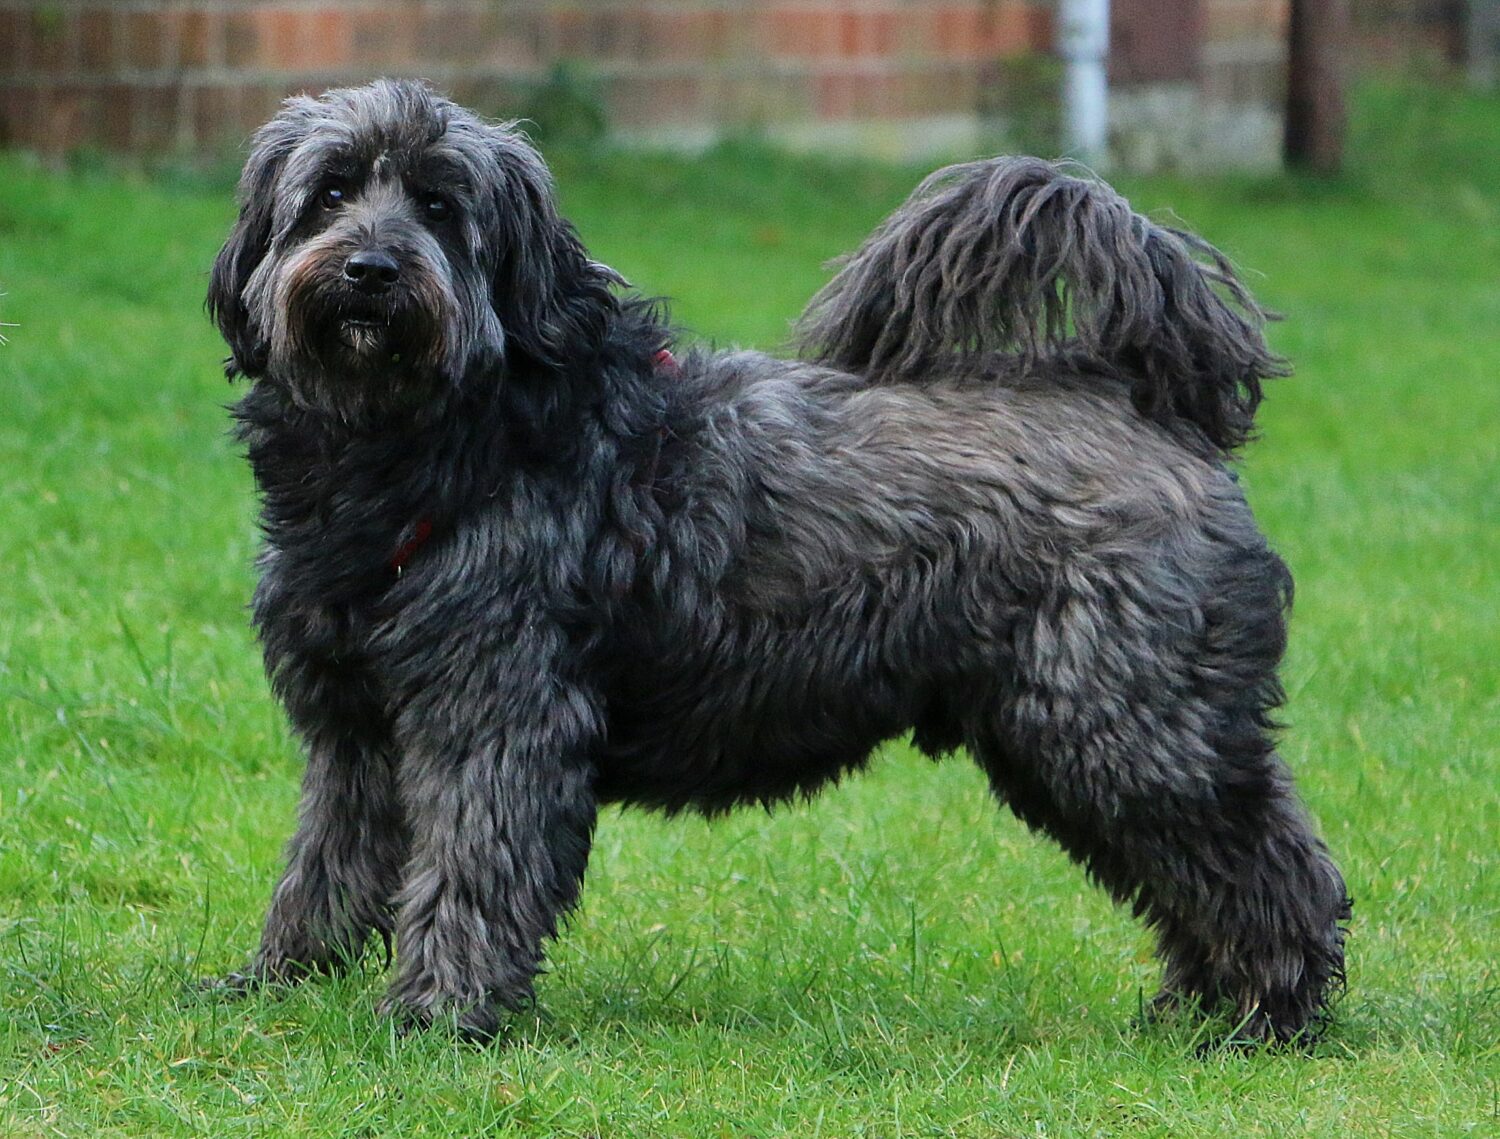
1083, 43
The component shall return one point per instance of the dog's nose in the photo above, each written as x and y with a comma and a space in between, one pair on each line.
372, 271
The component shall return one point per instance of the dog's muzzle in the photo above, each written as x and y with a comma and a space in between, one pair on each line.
372, 271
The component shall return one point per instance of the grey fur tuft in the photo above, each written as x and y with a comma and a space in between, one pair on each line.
1014, 255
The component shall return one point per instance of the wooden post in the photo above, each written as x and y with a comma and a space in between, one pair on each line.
1317, 48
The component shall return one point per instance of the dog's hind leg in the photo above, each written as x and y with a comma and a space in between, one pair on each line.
1139, 741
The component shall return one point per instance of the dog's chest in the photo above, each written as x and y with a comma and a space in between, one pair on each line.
340, 534
342, 514
326, 591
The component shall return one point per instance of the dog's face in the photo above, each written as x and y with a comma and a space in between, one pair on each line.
390, 242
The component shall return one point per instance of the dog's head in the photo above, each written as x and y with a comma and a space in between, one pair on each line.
389, 241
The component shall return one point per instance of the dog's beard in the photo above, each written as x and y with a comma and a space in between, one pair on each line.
369, 338
357, 356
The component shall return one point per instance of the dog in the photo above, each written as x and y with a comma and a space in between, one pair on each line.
521, 560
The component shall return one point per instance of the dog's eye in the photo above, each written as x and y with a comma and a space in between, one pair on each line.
331, 197
435, 207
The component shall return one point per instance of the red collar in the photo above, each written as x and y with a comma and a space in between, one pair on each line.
419, 535
665, 362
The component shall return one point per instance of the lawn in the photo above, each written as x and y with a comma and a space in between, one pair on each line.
897, 959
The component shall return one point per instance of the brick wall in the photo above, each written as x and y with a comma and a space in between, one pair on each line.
194, 75
1426, 35
1208, 88
142, 75
1244, 50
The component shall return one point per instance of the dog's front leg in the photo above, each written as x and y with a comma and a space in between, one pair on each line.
343, 864
497, 782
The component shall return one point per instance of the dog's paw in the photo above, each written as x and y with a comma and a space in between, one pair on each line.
235, 984
240, 983
474, 1022
229, 986
1174, 1008
265, 971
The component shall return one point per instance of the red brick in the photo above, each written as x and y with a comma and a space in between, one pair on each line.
801, 33
1009, 31
714, 33
17, 104
742, 32
51, 35
940, 91
862, 33
671, 36
562, 33
117, 128
530, 31
648, 98
156, 115
731, 30
296, 49
11, 51
511, 40
246, 110
65, 118
452, 35
381, 37
210, 103
330, 39
242, 49
218, 122
760, 98
1280, 16
618, 34
514, 52
859, 95
277, 32
96, 41
847, 24
884, 33
959, 31
490, 95
258, 103
1242, 19
145, 40
1041, 33
229, 128
917, 93
199, 39
835, 96
296, 46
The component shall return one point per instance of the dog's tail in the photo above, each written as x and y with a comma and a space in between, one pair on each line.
1015, 255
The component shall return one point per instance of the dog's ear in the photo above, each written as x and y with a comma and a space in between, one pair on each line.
249, 241
553, 299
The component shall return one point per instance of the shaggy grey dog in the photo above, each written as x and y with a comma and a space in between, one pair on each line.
520, 562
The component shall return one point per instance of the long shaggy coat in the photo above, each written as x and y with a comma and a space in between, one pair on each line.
520, 561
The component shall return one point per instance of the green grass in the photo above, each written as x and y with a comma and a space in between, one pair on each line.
897, 959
